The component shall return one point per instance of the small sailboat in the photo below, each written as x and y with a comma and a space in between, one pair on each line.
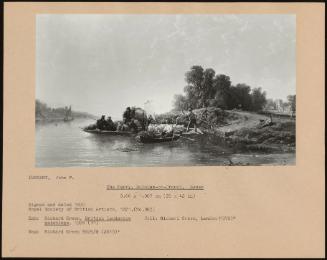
68, 114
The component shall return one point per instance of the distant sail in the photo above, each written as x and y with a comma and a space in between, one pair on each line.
68, 114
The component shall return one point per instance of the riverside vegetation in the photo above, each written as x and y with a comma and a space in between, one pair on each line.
238, 115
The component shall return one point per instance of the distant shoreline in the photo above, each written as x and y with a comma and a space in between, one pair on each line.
44, 113
61, 119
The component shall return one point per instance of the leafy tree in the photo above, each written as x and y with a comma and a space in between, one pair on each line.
204, 88
207, 88
194, 89
195, 76
222, 86
240, 97
271, 104
180, 102
258, 99
292, 102
41, 109
191, 95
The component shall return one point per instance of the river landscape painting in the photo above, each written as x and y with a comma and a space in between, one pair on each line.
116, 90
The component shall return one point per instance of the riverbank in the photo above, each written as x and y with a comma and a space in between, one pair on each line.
66, 145
243, 130
260, 133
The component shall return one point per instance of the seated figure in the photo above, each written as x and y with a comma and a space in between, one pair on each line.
101, 123
110, 125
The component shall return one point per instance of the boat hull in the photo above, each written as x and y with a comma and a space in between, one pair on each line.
148, 140
105, 132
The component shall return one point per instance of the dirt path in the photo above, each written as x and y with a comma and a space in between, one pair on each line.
248, 120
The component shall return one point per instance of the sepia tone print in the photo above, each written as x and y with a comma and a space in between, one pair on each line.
165, 90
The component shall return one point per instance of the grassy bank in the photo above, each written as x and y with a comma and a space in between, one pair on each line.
276, 137
241, 130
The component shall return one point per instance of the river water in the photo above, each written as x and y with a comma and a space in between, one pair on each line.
64, 144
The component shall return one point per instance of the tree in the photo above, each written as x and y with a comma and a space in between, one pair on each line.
204, 88
207, 89
258, 98
194, 89
240, 97
180, 102
292, 102
195, 76
222, 86
191, 95
271, 104
41, 109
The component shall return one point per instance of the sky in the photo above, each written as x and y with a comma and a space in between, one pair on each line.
103, 63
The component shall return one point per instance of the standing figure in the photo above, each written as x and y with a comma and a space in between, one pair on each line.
149, 120
133, 126
204, 114
127, 115
110, 124
101, 123
133, 112
191, 120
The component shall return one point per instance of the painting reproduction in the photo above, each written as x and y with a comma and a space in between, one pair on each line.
137, 90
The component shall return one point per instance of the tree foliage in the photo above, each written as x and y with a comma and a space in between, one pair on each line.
240, 97
180, 102
206, 88
292, 102
258, 99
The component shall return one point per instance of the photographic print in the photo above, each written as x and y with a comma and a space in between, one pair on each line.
116, 90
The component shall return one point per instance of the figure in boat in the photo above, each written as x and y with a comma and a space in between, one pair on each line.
134, 120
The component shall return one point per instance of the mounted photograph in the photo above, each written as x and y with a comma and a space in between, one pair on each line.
135, 90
